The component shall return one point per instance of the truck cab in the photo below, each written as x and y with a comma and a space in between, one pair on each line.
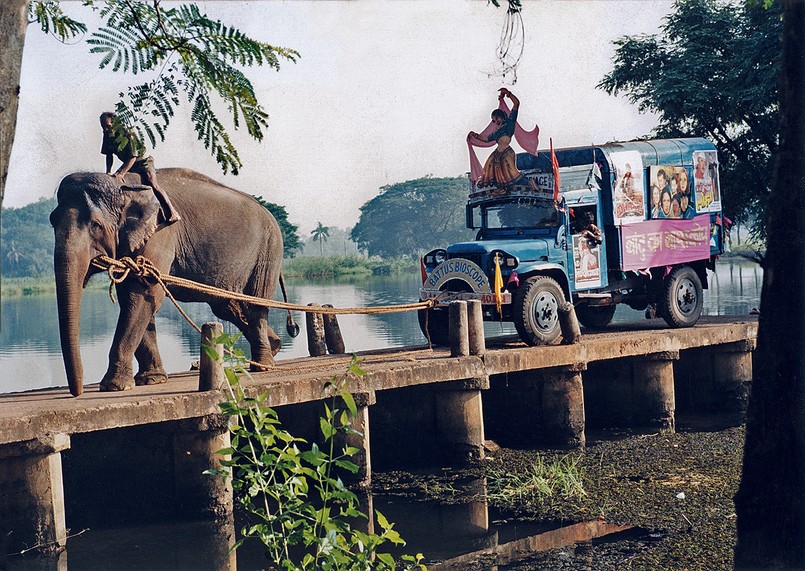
655, 212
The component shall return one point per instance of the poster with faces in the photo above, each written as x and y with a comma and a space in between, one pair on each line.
670, 193
628, 198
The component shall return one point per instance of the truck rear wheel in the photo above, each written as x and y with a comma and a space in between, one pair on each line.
595, 317
437, 323
681, 298
535, 310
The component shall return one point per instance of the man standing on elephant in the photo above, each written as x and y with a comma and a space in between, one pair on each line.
134, 160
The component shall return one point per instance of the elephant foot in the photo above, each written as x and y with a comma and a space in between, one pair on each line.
150, 378
117, 384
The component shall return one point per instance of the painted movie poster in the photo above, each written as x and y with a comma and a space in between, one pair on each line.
705, 181
586, 262
670, 193
628, 198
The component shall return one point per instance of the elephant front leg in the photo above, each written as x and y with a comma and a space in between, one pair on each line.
151, 371
137, 308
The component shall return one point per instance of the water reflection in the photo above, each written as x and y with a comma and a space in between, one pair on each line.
29, 338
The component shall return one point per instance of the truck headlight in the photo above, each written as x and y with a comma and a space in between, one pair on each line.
507, 261
435, 257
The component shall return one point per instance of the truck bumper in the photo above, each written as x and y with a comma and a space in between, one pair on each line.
487, 298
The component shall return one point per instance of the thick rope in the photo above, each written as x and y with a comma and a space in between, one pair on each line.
143, 268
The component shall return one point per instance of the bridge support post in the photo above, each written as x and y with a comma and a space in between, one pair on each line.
32, 495
460, 420
654, 399
211, 375
563, 406
332, 333
194, 451
475, 325
458, 329
316, 345
732, 375
363, 478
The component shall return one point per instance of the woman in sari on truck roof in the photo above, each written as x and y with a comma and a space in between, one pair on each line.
500, 168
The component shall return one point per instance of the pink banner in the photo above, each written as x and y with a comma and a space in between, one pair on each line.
656, 243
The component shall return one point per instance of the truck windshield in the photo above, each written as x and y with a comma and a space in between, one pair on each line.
520, 214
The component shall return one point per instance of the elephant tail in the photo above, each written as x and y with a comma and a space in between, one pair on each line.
290, 325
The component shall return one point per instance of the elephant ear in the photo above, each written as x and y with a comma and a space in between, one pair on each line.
139, 216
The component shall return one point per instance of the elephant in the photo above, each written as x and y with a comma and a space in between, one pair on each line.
225, 239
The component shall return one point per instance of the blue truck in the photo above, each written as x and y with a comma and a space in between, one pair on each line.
657, 227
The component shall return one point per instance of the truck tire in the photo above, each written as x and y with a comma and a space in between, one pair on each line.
437, 323
535, 310
595, 317
681, 297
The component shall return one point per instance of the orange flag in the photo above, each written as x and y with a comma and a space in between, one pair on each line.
556, 179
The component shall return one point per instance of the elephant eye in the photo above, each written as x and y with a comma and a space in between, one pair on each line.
95, 226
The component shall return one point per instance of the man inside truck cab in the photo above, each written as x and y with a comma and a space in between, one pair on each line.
584, 224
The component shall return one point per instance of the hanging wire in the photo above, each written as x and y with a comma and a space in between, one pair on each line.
512, 42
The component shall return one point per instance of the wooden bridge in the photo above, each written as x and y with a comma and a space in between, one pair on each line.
419, 403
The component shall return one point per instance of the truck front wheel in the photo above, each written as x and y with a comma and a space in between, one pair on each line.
535, 310
592, 317
435, 322
681, 297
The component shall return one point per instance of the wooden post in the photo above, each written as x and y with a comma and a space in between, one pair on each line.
475, 322
32, 495
315, 333
332, 334
569, 323
211, 375
459, 336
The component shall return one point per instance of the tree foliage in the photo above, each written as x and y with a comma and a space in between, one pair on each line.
409, 218
191, 57
48, 14
291, 242
26, 240
713, 71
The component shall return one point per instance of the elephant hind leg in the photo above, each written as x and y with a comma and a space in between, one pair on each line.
151, 371
253, 323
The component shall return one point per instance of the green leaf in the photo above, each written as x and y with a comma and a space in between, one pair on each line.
349, 400
326, 428
386, 558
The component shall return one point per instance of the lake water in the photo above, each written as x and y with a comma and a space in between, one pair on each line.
30, 356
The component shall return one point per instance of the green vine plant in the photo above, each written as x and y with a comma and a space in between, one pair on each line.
294, 501
189, 55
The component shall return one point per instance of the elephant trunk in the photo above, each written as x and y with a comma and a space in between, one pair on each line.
71, 269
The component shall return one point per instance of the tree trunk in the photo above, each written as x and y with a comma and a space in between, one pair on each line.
13, 22
770, 502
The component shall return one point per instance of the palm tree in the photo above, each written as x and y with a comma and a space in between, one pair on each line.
13, 256
320, 235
